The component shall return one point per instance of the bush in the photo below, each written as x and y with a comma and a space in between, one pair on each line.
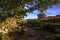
53, 37
0, 36
52, 28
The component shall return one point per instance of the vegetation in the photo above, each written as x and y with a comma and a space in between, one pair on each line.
54, 37
12, 12
52, 26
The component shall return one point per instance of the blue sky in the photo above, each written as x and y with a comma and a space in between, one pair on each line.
55, 10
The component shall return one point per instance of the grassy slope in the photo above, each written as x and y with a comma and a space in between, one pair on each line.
43, 30
52, 26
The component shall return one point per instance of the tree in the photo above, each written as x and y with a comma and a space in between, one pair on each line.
42, 16
16, 6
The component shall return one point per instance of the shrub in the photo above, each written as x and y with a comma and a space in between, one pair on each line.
53, 37
0, 36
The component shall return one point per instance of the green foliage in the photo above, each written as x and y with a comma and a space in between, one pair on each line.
9, 4
44, 4
0, 26
0, 36
6, 37
18, 34
52, 20
53, 37
18, 5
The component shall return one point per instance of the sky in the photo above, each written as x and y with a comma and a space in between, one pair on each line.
55, 10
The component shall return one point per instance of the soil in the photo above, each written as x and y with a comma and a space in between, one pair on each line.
32, 34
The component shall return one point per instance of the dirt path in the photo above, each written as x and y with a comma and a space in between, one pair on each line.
32, 34
37, 34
